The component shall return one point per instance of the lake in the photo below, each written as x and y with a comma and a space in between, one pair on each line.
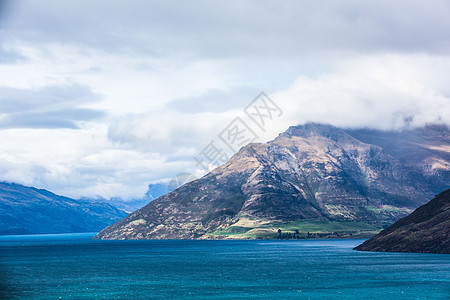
74, 266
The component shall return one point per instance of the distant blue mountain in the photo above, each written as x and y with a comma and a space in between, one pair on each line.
28, 210
154, 191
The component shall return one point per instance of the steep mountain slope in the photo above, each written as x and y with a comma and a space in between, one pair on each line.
426, 230
27, 210
311, 179
426, 150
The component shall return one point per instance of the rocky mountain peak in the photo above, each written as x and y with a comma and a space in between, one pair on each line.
313, 129
316, 131
311, 176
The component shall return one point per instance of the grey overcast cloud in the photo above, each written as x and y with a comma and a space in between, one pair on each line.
101, 98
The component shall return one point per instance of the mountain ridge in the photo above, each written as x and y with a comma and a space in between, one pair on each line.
426, 230
311, 176
30, 210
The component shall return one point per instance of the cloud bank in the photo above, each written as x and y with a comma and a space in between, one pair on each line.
101, 98
48, 107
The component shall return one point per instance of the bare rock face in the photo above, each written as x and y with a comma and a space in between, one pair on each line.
312, 180
426, 230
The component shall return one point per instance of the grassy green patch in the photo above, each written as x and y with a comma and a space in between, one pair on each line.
315, 226
300, 230
232, 230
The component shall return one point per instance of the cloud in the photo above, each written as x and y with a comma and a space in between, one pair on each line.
170, 132
47, 107
214, 100
80, 163
234, 28
384, 91
50, 119
21, 100
8, 56
173, 75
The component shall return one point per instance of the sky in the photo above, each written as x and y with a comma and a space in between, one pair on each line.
101, 98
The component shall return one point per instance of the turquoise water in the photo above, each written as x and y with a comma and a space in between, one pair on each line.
74, 266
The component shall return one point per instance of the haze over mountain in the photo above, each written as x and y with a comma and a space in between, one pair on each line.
312, 179
154, 191
426, 230
28, 210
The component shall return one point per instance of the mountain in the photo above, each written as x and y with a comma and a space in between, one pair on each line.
426, 230
313, 180
27, 210
154, 191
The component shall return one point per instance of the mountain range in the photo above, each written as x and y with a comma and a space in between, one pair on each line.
313, 180
426, 230
28, 210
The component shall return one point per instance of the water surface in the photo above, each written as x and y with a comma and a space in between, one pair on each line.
73, 266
